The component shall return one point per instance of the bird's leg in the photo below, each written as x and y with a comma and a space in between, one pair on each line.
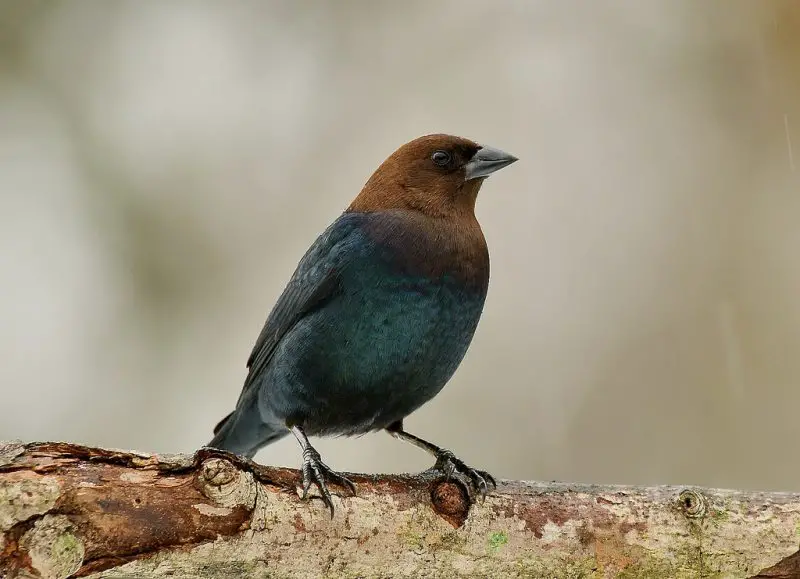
446, 461
316, 471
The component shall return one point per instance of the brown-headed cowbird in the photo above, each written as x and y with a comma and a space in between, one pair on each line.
378, 314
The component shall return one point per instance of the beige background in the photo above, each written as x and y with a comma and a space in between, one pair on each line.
163, 166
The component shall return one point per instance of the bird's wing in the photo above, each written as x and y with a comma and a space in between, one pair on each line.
315, 281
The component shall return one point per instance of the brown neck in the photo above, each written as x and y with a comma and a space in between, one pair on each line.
420, 245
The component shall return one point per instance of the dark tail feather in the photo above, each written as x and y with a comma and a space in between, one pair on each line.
244, 433
222, 422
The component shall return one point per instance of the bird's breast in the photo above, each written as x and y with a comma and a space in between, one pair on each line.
404, 330
412, 303
388, 340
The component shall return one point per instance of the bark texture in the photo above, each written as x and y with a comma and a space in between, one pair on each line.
72, 511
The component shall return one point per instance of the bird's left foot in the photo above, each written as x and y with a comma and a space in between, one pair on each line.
317, 472
476, 480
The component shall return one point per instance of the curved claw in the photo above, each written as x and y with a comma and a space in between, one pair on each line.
315, 471
342, 481
477, 480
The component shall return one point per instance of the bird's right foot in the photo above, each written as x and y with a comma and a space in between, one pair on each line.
317, 472
475, 481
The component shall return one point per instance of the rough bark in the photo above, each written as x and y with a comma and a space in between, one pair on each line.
72, 511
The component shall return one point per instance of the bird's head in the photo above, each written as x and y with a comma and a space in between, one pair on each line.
438, 175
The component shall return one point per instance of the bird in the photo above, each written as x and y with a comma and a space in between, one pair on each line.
377, 316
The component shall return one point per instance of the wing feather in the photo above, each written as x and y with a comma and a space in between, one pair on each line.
315, 281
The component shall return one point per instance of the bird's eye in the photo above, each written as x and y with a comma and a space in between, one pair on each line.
441, 158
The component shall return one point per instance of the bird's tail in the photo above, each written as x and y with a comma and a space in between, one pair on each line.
242, 432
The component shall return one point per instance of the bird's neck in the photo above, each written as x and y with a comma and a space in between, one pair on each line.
419, 245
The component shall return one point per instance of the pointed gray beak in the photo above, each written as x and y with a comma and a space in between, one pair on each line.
486, 161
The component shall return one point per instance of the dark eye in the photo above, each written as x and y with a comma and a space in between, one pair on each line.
441, 158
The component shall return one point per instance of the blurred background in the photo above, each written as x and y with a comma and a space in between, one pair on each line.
163, 166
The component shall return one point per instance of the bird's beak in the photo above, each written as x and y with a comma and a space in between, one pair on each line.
486, 161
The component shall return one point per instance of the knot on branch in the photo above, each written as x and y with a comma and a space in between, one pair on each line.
53, 549
226, 485
451, 502
692, 503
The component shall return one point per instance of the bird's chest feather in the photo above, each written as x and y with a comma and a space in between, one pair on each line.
392, 345
407, 325
414, 301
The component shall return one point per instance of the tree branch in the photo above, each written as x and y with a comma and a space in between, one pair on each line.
73, 511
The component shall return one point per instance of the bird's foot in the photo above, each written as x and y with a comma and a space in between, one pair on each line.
317, 472
474, 480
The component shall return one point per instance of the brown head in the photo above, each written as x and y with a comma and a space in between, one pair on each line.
431, 184
436, 175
